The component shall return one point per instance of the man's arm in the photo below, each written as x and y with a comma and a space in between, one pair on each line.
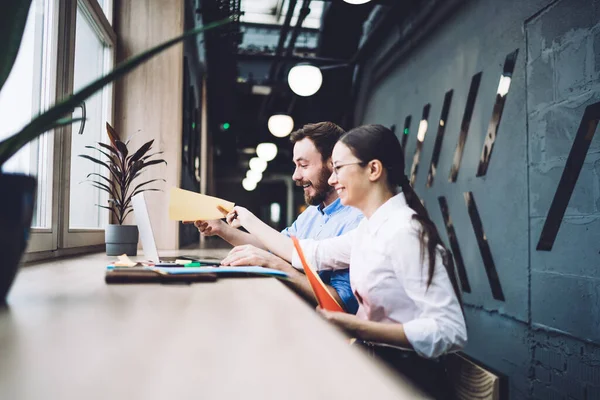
249, 255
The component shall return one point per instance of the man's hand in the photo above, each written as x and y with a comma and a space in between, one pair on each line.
250, 255
208, 228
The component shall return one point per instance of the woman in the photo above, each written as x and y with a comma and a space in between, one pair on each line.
400, 271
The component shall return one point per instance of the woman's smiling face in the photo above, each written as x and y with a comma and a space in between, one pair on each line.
349, 178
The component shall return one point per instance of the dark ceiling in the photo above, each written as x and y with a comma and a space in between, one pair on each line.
230, 79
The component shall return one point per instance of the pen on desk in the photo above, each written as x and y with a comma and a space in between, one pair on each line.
193, 264
202, 264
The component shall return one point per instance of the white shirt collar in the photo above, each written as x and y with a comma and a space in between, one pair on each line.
383, 213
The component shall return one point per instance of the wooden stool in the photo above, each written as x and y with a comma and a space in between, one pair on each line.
470, 380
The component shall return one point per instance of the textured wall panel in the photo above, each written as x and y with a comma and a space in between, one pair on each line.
562, 84
446, 61
545, 337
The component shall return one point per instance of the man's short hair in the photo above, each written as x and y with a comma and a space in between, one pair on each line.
324, 135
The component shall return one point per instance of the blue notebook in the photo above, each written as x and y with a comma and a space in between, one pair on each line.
245, 270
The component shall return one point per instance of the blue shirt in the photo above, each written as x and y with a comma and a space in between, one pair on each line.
320, 223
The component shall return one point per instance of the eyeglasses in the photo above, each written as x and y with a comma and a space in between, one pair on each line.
336, 168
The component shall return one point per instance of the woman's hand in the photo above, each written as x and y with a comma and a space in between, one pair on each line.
355, 327
347, 322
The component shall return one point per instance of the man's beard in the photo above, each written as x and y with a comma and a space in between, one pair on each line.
321, 188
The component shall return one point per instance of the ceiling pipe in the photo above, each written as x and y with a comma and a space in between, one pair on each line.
278, 65
426, 19
304, 11
282, 36
424, 15
379, 31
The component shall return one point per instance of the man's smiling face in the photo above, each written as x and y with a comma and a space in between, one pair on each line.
311, 172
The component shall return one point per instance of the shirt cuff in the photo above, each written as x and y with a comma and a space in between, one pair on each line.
296, 263
425, 337
308, 248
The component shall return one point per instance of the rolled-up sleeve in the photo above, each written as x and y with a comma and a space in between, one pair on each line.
440, 327
327, 254
340, 281
290, 230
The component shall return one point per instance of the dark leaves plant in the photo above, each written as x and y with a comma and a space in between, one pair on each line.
123, 169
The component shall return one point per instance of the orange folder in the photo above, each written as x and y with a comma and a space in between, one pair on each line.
325, 299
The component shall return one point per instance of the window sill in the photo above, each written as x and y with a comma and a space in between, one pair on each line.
60, 253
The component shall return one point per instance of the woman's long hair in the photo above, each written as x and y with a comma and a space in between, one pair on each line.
376, 142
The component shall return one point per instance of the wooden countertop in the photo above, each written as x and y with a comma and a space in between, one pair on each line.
68, 335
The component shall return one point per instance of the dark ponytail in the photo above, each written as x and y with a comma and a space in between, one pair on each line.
429, 236
376, 142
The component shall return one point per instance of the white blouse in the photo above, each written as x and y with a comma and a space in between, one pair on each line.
389, 279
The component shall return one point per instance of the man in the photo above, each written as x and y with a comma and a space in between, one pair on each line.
324, 218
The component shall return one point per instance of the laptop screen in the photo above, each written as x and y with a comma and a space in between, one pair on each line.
142, 218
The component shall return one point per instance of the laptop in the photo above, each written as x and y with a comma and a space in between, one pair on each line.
142, 217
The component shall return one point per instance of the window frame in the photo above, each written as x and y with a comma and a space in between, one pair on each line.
57, 83
45, 239
76, 237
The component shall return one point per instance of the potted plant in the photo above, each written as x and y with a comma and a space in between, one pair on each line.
123, 169
18, 191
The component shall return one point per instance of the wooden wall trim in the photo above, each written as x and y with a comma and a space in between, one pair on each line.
148, 101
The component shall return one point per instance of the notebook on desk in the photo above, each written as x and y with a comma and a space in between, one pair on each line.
221, 271
163, 266
142, 217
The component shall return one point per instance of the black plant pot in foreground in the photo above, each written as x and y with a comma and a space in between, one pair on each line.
17, 200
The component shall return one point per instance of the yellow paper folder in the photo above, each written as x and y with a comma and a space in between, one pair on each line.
191, 206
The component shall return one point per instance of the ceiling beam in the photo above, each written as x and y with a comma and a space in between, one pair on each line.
294, 58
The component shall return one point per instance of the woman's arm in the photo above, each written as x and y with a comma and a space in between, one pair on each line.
441, 326
331, 253
387, 333
271, 239
237, 237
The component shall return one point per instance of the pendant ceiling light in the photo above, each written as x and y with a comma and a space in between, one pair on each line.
280, 125
254, 175
249, 184
305, 79
256, 164
266, 151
